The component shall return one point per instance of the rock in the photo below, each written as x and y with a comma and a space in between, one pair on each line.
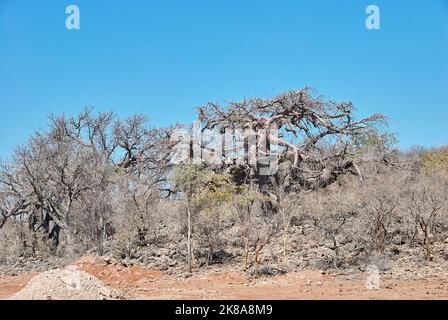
177, 257
141, 259
172, 263
148, 259
330, 245
350, 247
266, 270
445, 255
289, 266
126, 263
343, 239
162, 252
105, 292
66, 284
172, 253
397, 240
163, 266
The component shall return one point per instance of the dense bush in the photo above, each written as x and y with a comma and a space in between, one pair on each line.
95, 183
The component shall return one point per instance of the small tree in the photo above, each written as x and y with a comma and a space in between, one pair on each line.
256, 228
427, 201
189, 179
204, 191
213, 199
435, 161
287, 206
332, 213
380, 201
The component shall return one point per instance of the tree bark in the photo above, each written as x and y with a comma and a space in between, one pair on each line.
189, 253
257, 252
246, 253
69, 243
285, 241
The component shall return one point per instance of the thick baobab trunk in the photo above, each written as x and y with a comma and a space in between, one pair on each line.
306, 121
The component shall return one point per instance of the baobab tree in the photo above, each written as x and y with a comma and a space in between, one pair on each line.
314, 141
64, 172
13, 197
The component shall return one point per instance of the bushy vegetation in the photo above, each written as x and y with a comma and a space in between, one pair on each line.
95, 183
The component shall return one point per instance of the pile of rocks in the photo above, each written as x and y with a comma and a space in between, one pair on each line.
67, 284
19, 265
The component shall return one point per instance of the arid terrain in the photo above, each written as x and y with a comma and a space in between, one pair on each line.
98, 207
136, 282
193, 154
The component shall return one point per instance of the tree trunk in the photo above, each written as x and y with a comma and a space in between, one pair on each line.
257, 251
210, 255
34, 245
426, 242
189, 253
69, 243
285, 241
286, 225
336, 251
246, 253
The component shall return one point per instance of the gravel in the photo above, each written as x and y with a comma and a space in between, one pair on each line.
67, 284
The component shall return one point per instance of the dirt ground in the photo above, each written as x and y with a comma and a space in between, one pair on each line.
10, 285
142, 283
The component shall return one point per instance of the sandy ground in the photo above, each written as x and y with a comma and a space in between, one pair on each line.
10, 285
143, 283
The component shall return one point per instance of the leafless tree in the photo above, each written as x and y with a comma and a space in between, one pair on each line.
427, 202
63, 173
13, 198
315, 135
256, 228
332, 213
287, 206
380, 201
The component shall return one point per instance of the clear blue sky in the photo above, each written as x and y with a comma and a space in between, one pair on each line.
164, 58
